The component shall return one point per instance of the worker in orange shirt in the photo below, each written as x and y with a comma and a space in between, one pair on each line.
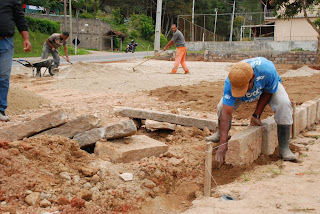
178, 40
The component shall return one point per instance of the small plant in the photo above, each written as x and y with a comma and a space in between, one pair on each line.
246, 178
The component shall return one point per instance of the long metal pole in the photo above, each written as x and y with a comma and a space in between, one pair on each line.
215, 24
232, 19
158, 27
193, 20
65, 14
70, 14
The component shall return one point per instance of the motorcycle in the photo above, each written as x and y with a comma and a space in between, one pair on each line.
131, 47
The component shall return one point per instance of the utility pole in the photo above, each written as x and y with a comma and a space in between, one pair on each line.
65, 14
70, 14
215, 23
232, 19
158, 27
192, 31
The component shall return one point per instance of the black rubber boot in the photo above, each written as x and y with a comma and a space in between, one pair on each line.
283, 139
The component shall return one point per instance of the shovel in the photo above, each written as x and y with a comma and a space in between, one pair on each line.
64, 57
146, 60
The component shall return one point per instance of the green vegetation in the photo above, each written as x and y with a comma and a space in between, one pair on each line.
37, 40
298, 49
43, 25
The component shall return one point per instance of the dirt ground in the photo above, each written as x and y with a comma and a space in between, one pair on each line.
35, 165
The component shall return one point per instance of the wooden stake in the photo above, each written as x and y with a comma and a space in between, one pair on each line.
294, 125
208, 170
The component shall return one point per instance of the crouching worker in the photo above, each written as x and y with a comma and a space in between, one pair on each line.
52, 44
249, 80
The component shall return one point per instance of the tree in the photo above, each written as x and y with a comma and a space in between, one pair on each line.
47, 4
290, 8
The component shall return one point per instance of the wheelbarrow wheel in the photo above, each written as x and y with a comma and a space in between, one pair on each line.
50, 72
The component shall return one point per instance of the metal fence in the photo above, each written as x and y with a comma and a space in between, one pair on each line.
194, 32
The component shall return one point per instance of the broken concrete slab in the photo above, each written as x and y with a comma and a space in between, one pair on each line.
311, 106
89, 137
244, 147
269, 136
301, 119
119, 130
74, 127
130, 149
315, 134
165, 117
35, 126
155, 125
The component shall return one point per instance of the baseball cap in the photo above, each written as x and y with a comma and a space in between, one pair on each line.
240, 75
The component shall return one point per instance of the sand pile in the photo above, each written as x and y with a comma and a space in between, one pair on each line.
21, 100
301, 72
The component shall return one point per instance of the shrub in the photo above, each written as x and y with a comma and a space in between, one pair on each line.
134, 34
163, 40
142, 23
86, 15
43, 25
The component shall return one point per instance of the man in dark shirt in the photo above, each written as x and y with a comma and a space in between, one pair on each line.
11, 14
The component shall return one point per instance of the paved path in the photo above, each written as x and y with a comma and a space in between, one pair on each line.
98, 56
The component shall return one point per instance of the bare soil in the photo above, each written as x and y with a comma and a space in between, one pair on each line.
36, 164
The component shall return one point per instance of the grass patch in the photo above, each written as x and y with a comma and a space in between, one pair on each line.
246, 178
37, 40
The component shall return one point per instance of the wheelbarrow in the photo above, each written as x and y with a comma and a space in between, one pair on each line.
37, 65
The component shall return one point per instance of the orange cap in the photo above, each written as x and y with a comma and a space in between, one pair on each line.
240, 75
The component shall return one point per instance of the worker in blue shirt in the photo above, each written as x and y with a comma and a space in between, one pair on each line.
248, 81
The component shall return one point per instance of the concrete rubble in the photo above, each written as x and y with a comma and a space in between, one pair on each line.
74, 127
35, 126
130, 149
119, 130
164, 117
155, 125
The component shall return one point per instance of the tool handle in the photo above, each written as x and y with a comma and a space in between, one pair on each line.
64, 57
148, 59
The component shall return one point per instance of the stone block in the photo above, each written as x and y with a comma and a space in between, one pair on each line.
244, 147
130, 149
311, 106
32, 127
301, 119
165, 117
119, 130
89, 137
74, 127
154, 125
269, 136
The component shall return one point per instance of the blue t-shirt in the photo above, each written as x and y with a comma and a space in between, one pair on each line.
266, 79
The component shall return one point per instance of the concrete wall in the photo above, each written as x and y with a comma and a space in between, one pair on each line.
296, 29
282, 46
90, 31
291, 57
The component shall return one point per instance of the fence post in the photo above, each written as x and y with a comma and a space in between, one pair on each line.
208, 170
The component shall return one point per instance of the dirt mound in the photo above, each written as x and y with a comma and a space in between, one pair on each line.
301, 72
20, 100
205, 96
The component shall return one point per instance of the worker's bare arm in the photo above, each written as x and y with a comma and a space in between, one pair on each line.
50, 44
263, 101
66, 52
169, 45
225, 119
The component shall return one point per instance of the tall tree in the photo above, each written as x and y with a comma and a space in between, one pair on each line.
291, 8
